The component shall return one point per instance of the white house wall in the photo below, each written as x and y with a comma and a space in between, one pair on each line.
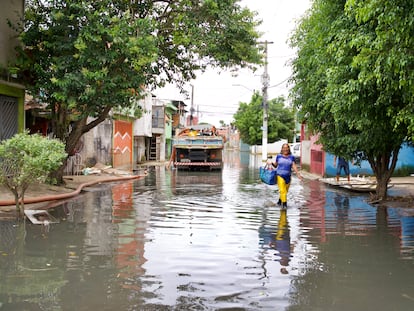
139, 149
272, 149
143, 125
306, 152
97, 144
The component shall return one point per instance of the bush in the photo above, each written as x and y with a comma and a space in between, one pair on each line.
26, 159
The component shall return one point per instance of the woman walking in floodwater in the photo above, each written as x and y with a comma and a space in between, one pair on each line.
284, 163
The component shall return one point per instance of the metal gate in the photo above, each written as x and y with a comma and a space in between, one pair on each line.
8, 117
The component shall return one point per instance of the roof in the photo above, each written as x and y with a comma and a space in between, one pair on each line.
171, 106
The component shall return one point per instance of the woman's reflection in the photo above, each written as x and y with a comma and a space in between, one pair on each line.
281, 241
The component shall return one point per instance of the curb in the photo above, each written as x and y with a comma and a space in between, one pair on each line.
69, 194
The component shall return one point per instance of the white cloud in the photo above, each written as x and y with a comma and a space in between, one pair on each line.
215, 95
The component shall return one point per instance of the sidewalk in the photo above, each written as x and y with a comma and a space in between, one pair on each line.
403, 185
37, 194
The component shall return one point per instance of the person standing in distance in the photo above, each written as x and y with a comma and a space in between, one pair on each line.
284, 164
342, 164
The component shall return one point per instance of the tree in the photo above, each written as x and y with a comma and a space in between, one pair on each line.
26, 159
249, 120
353, 79
85, 57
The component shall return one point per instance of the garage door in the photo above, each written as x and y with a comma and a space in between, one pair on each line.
8, 117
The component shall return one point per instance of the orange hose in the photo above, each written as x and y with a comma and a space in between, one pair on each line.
70, 194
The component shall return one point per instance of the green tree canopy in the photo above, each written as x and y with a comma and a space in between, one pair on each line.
249, 120
353, 79
84, 57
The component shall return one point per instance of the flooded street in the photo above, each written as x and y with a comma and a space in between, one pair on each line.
180, 240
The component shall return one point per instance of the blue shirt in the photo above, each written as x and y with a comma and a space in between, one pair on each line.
284, 166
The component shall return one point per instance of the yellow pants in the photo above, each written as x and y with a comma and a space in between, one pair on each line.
282, 225
283, 189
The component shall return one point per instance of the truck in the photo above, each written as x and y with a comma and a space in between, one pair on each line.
195, 150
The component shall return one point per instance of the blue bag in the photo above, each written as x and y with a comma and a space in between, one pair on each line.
267, 175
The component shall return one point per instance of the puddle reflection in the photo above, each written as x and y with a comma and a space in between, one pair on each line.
277, 241
180, 240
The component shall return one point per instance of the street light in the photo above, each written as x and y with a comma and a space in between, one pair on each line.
241, 85
265, 82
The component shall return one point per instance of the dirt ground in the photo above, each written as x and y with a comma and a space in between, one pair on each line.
400, 195
43, 196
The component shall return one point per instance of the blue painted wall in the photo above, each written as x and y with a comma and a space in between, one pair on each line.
405, 164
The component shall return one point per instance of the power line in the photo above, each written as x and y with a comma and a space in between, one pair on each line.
279, 83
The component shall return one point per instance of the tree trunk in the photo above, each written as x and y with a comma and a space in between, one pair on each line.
21, 205
383, 166
76, 130
70, 146
381, 191
20, 200
57, 175
16, 200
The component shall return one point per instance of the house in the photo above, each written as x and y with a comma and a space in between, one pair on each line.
179, 117
170, 111
316, 161
165, 114
142, 131
124, 141
11, 91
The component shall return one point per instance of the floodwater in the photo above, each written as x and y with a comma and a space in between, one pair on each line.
180, 240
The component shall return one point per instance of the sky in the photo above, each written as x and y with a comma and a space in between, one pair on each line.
217, 95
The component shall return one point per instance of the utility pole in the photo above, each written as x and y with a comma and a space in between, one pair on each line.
265, 82
192, 105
